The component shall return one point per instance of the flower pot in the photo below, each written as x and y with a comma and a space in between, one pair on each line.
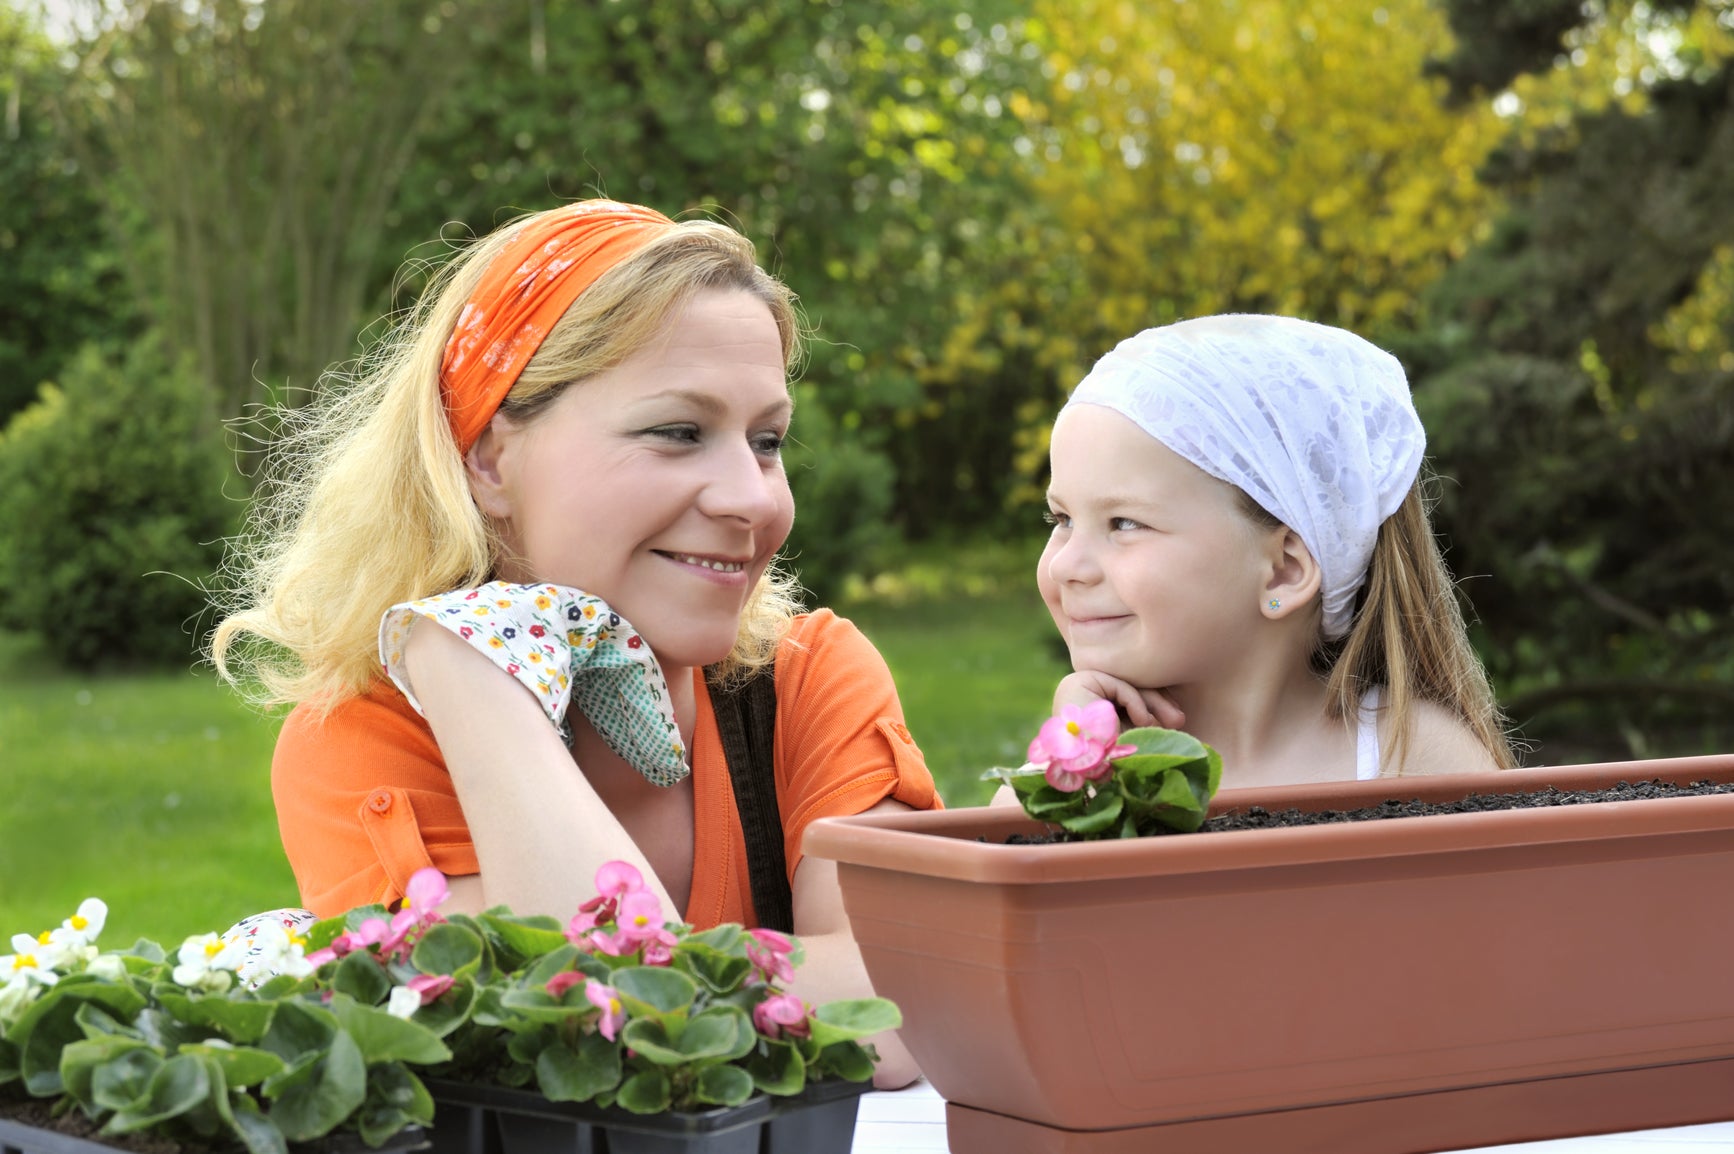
476, 1119
1377, 987
22, 1138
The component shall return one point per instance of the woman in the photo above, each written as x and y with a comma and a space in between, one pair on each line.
576, 432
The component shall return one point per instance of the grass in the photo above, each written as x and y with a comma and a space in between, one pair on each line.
152, 791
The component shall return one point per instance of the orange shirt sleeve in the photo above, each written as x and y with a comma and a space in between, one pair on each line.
842, 746
363, 801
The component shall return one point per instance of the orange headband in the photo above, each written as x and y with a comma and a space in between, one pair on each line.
526, 289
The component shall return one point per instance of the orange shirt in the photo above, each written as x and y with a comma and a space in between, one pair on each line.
364, 799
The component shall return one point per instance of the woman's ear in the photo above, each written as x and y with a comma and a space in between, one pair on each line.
487, 466
1294, 578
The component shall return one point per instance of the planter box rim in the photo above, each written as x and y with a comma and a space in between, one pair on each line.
907, 842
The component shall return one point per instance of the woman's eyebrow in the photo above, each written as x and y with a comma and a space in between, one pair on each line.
712, 405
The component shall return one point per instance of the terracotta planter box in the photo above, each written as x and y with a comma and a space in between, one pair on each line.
1377, 987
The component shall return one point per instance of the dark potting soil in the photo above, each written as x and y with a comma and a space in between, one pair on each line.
35, 1112
1257, 817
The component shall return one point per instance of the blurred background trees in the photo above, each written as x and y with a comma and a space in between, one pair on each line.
1529, 201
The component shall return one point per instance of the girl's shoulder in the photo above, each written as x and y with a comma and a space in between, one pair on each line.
1440, 742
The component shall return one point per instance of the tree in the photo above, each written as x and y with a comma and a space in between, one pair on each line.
1573, 376
59, 284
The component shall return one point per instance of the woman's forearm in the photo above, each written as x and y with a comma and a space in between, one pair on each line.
539, 828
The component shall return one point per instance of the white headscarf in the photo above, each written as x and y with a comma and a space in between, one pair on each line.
1312, 422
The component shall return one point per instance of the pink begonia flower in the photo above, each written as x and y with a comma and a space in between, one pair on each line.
563, 981
371, 932
426, 891
616, 879
782, 1015
606, 999
1077, 744
772, 953
640, 917
430, 986
595, 912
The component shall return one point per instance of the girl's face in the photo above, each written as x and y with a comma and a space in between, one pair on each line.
657, 485
1152, 573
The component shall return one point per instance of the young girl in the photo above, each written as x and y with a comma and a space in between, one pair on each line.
1241, 549
520, 587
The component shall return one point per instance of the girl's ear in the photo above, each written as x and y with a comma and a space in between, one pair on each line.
1294, 578
485, 464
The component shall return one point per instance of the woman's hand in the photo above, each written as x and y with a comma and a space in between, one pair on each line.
1141, 706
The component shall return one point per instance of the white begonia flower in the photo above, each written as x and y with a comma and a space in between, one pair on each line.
44, 951
21, 980
87, 923
108, 967
404, 1002
207, 963
270, 951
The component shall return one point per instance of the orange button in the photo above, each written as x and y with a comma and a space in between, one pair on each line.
901, 731
380, 802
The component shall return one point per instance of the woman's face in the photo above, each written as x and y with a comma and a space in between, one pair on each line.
657, 485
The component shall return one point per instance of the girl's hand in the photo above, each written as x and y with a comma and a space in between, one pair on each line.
1141, 706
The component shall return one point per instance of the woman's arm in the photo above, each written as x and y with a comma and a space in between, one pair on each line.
833, 968
540, 829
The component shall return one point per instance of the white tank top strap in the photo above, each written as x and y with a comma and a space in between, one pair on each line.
1367, 737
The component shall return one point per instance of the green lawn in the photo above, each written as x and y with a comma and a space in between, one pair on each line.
152, 791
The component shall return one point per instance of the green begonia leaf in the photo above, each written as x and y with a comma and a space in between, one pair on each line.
178, 1086
395, 1099
722, 1086
361, 976
312, 1097
237, 1019
855, 1018
241, 1065
526, 937
80, 1061
448, 949
777, 1068
120, 1083
1098, 814
383, 1037
51, 1024
717, 971
565, 1074
646, 1092
299, 1028
449, 1011
847, 1060
720, 1033
1165, 742
256, 1132
727, 938
654, 990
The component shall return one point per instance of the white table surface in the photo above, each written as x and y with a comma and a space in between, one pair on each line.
912, 1121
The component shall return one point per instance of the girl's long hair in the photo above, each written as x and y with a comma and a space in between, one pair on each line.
367, 501
1408, 637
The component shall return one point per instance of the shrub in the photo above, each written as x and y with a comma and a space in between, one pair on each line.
112, 509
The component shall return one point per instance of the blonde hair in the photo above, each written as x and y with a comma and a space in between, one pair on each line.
367, 502
1407, 636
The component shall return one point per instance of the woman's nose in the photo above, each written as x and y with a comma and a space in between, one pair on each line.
742, 488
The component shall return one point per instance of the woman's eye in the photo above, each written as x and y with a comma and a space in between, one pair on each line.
683, 434
768, 444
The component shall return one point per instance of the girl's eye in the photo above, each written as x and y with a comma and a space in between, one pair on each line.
1057, 520
1119, 524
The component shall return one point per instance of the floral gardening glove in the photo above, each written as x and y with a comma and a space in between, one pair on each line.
565, 647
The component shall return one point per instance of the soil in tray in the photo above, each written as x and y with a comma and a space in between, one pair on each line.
1257, 817
73, 1123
